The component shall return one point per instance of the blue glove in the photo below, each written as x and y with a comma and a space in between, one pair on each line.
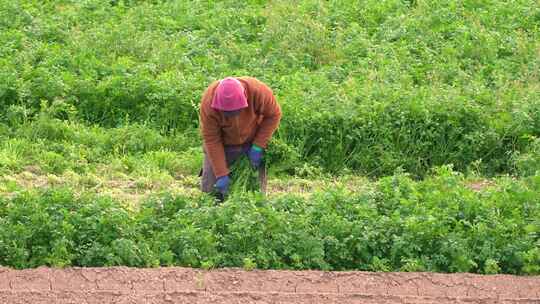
222, 184
255, 155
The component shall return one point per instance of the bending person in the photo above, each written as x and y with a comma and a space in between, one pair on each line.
238, 117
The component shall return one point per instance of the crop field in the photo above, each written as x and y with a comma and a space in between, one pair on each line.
409, 142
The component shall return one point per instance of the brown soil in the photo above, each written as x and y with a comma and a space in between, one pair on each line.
185, 285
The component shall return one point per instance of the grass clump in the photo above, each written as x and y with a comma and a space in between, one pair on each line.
244, 178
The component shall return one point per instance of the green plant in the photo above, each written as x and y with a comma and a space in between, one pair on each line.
244, 177
397, 224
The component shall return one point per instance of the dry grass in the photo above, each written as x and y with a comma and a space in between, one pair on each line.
134, 188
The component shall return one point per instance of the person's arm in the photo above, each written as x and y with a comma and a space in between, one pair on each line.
212, 138
267, 106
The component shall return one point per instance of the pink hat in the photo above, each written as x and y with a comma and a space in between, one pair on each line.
229, 95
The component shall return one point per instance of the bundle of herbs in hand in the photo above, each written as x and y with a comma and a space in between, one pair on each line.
244, 178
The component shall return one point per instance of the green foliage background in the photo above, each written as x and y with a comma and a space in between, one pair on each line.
419, 94
365, 85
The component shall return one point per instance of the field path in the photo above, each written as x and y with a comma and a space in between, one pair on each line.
185, 285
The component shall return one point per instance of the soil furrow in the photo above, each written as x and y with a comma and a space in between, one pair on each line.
186, 285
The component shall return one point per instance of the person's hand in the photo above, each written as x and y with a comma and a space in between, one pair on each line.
222, 184
255, 155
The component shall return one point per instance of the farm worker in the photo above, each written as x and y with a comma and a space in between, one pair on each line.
238, 116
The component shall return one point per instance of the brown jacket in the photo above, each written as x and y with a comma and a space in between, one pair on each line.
255, 124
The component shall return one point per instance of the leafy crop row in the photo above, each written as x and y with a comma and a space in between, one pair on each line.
438, 224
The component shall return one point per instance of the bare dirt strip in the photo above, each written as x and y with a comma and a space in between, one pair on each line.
184, 285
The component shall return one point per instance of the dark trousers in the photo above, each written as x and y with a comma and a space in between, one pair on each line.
232, 153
